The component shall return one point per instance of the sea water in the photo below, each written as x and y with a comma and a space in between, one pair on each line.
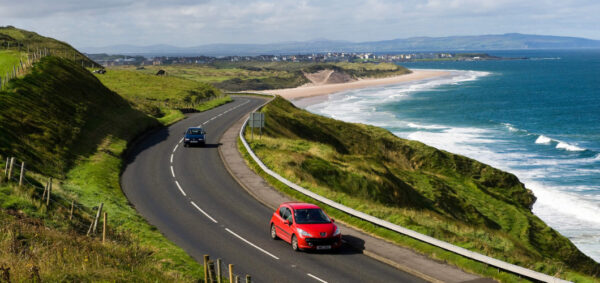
538, 118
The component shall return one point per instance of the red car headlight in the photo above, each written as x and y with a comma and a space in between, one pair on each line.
304, 233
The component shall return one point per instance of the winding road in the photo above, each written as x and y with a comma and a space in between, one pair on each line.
188, 194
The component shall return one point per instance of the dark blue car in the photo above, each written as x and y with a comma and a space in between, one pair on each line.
194, 136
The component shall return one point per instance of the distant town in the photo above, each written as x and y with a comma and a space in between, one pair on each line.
119, 60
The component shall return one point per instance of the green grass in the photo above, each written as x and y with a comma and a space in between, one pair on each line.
447, 196
34, 236
63, 122
27, 41
9, 59
160, 96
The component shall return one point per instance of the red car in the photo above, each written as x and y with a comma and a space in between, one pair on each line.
305, 226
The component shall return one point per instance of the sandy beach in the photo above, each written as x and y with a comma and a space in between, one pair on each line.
313, 89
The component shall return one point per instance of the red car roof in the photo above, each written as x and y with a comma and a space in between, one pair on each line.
300, 205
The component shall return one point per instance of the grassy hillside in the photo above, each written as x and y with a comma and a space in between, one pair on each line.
437, 193
63, 122
160, 96
60, 112
8, 59
26, 41
39, 242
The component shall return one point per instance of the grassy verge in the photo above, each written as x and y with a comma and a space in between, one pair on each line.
64, 123
37, 248
446, 196
380, 232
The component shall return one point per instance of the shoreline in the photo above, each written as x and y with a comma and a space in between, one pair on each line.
318, 92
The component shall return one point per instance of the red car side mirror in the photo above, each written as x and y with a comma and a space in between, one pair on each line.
332, 220
285, 222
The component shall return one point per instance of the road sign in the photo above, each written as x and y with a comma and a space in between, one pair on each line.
257, 120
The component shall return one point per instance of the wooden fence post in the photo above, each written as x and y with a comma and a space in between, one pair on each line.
219, 277
104, 228
21, 175
206, 268
10, 167
97, 217
44, 194
237, 279
71, 213
49, 191
248, 278
6, 167
211, 266
231, 273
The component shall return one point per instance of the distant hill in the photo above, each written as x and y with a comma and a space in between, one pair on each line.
509, 41
21, 40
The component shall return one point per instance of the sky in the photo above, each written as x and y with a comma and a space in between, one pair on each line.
185, 23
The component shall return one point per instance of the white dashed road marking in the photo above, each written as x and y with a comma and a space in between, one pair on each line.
317, 278
203, 212
251, 244
180, 189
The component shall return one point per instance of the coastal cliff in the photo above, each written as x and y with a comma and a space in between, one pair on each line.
444, 195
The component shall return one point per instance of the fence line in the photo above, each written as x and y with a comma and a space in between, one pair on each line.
33, 57
212, 268
397, 228
17, 172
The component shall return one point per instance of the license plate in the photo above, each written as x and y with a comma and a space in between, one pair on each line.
328, 247
194, 141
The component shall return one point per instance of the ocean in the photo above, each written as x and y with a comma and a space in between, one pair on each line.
538, 118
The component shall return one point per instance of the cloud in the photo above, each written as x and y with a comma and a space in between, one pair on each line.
193, 22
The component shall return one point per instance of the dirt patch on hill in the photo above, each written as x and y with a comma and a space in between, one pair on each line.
328, 76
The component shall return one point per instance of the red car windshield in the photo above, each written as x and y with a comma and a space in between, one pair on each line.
310, 216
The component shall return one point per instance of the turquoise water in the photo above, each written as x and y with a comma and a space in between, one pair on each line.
537, 118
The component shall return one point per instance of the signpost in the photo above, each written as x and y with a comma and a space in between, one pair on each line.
257, 120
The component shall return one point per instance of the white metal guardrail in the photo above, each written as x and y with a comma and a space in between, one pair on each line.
397, 228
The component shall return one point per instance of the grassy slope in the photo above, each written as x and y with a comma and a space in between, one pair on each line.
406, 182
9, 59
61, 117
34, 237
161, 96
23, 40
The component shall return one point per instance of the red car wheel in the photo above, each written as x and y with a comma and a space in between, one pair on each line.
295, 243
273, 232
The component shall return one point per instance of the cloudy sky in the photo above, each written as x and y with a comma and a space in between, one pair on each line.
85, 23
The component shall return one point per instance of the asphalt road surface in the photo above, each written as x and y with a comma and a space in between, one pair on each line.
190, 197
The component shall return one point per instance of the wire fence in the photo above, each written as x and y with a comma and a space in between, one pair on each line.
33, 56
54, 203
85, 220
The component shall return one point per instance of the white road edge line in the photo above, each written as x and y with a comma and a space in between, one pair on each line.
180, 189
249, 243
203, 212
317, 278
175, 148
171, 158
172, 172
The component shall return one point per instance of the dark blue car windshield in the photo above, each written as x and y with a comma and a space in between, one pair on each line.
310, 216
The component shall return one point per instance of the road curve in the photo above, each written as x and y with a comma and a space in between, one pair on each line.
190, 197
